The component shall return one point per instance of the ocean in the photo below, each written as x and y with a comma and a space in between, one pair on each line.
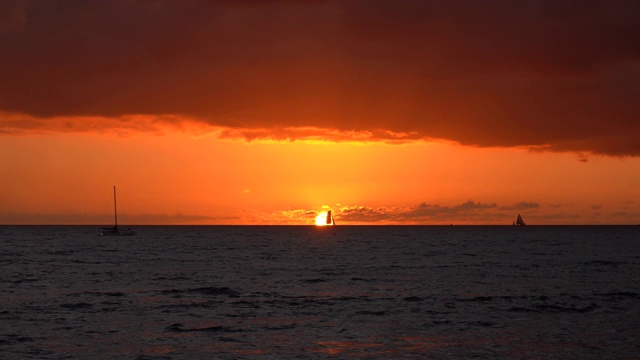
306, 292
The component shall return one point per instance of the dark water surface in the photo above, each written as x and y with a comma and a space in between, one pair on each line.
281, 292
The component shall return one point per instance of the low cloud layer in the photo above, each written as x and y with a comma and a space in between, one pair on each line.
104, 219
471, 212
549, 75
468, 213
422, 214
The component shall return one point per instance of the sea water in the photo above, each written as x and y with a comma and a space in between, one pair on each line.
281, 292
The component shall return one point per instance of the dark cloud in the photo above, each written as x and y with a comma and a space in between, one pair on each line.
469, 210
551, 75
364, 214
297, 214
522, 206
423, 213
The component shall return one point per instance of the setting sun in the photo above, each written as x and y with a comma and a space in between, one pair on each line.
325, 218
321, 219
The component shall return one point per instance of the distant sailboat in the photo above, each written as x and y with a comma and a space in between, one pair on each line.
519, 221
114, 231
330, 220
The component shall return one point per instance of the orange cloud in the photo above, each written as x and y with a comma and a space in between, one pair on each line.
469, 212
23, 124
550, 75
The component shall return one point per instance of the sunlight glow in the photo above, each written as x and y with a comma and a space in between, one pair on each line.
321, 219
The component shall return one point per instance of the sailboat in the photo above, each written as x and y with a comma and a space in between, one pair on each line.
330, 220
519, 221
114, 231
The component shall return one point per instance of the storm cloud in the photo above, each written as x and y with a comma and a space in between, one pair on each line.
548, 75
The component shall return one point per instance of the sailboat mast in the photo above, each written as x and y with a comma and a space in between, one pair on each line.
115, 208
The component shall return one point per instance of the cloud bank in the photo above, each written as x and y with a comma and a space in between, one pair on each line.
549, 75
468, 213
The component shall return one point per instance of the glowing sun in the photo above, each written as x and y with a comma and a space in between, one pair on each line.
321, 219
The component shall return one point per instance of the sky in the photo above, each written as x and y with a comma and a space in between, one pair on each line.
270, 112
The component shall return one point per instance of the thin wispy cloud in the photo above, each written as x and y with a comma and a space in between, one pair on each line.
72, 218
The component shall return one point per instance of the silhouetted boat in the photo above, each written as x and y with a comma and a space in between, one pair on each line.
519, 221
114, 231
330, 220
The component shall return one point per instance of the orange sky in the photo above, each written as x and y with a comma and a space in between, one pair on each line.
268, 112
